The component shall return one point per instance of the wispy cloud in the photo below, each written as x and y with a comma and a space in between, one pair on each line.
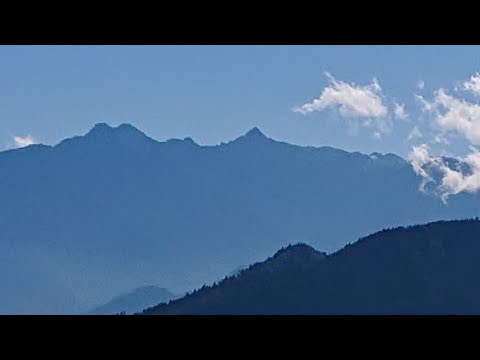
421, 85
473, 85
23, 141
426, 105
440, 139
415, 134
399, 111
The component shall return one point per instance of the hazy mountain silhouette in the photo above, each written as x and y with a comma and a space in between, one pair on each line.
99, 214
134, 301
426, 269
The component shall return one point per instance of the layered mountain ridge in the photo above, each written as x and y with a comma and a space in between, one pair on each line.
100, 214
424, 269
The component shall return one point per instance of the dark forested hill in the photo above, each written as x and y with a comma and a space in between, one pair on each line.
425, 269
100, 214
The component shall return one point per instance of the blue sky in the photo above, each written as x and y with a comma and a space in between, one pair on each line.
216, 93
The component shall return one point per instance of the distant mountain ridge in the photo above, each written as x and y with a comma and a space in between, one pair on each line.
425, 269
115, 209
134, 301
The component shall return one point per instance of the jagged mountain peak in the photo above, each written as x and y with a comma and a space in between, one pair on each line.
251, 137
255, 132
102, 133
103, 129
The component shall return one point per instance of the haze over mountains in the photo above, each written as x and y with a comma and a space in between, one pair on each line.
425, 269
134, 301
100, 214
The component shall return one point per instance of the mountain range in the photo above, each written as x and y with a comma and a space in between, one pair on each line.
425, 269
100, 214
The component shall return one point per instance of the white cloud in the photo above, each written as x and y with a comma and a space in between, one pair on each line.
351, 100
399, 111
473, 85
23, 141
415, 134
451, 114
419, 158
426, 105
454, 181
457, 115
447, 113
